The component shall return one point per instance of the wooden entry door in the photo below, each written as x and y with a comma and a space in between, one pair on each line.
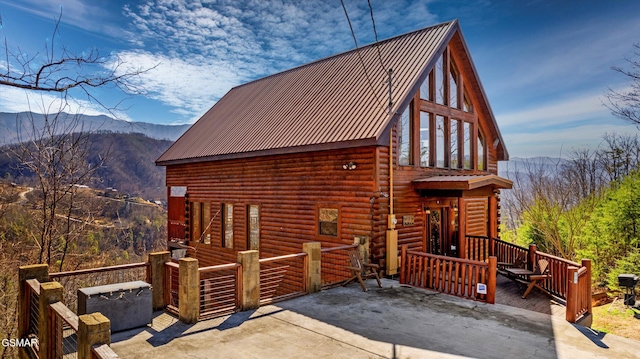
441, 235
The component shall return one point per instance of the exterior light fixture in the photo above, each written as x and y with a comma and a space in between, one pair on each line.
427, 210
349, 166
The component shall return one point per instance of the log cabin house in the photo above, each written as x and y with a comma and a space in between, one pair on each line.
390, 144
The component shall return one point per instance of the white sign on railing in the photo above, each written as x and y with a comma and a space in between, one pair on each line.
481, 288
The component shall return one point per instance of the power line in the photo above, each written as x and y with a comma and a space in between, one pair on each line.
353, 34
384, 68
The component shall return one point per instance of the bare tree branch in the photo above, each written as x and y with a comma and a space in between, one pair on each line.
625, 104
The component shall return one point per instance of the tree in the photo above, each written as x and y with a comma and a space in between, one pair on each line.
57, 151
59, 70
625, 104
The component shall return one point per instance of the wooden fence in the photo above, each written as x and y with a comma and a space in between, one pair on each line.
477, 248
460, 277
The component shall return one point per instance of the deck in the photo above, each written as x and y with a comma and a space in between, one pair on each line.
509, 292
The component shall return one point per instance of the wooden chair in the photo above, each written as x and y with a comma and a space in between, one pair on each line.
361, 270
540, 273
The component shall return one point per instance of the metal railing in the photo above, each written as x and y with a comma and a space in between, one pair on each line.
63, 332
455, 276
282, 277
74, 280
32, 296
219, 289
333, 264
171, 286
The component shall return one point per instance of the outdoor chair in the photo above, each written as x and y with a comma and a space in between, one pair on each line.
519, 262
540, 274
361, 271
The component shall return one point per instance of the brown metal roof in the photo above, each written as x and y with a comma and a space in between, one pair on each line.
465, 183
326, 104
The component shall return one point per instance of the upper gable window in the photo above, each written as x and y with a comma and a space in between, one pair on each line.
439, 81
481, 154
453, 86
466, 104
404, 138
425, 89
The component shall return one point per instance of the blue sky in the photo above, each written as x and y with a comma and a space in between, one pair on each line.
545, 65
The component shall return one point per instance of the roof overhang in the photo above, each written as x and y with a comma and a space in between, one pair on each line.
461, 186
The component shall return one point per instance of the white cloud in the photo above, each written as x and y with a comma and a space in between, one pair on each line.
18, 100
205, 47
586, 107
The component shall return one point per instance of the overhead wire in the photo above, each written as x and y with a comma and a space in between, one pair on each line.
364, 67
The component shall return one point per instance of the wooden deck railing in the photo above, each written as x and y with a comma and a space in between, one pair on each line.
579, 302
32, 315
282, 277
477, 248
508, 252
219, 289
63, 332
334, 261
558, 269
455, 276
103, 351
74, 280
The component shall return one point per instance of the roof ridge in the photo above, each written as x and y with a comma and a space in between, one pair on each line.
446, 23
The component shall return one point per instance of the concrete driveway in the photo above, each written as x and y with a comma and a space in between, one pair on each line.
392, 322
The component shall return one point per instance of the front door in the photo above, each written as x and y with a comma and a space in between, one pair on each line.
441, 231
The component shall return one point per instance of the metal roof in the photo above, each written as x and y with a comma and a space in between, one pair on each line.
326, 104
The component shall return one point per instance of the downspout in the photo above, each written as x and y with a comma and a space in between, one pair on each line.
392, 232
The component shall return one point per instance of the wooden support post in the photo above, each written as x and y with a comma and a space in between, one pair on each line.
462, 228
314, 277
572, 294
491, 281
403, 265
392, 252
50, 292
250, 294
532, 257
189, 291
93, 329
36, 271
493, 217
587, 263
156, 263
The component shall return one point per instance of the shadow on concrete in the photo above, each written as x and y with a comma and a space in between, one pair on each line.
166, 327
409, 318
593, 335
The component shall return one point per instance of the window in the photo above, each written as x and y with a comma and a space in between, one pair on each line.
440, 145
328, 221
481, 156
227, 225
425, 89
467, 106
453, 87
404, 138
439, 82
467, 146
425, 123
253, 227
200, 217
455, 163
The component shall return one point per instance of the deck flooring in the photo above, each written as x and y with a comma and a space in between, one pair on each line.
509, 292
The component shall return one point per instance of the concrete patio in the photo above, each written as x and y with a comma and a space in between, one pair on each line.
392, 322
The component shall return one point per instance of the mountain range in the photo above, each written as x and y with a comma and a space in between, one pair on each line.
15, 127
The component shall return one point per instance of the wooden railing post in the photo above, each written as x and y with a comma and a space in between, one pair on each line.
314, 266
403, 264
250, 294
50, 292
189, 291
572, 294
532, 257
587, 264
93, 329
36, 271
157, 268
491, 281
